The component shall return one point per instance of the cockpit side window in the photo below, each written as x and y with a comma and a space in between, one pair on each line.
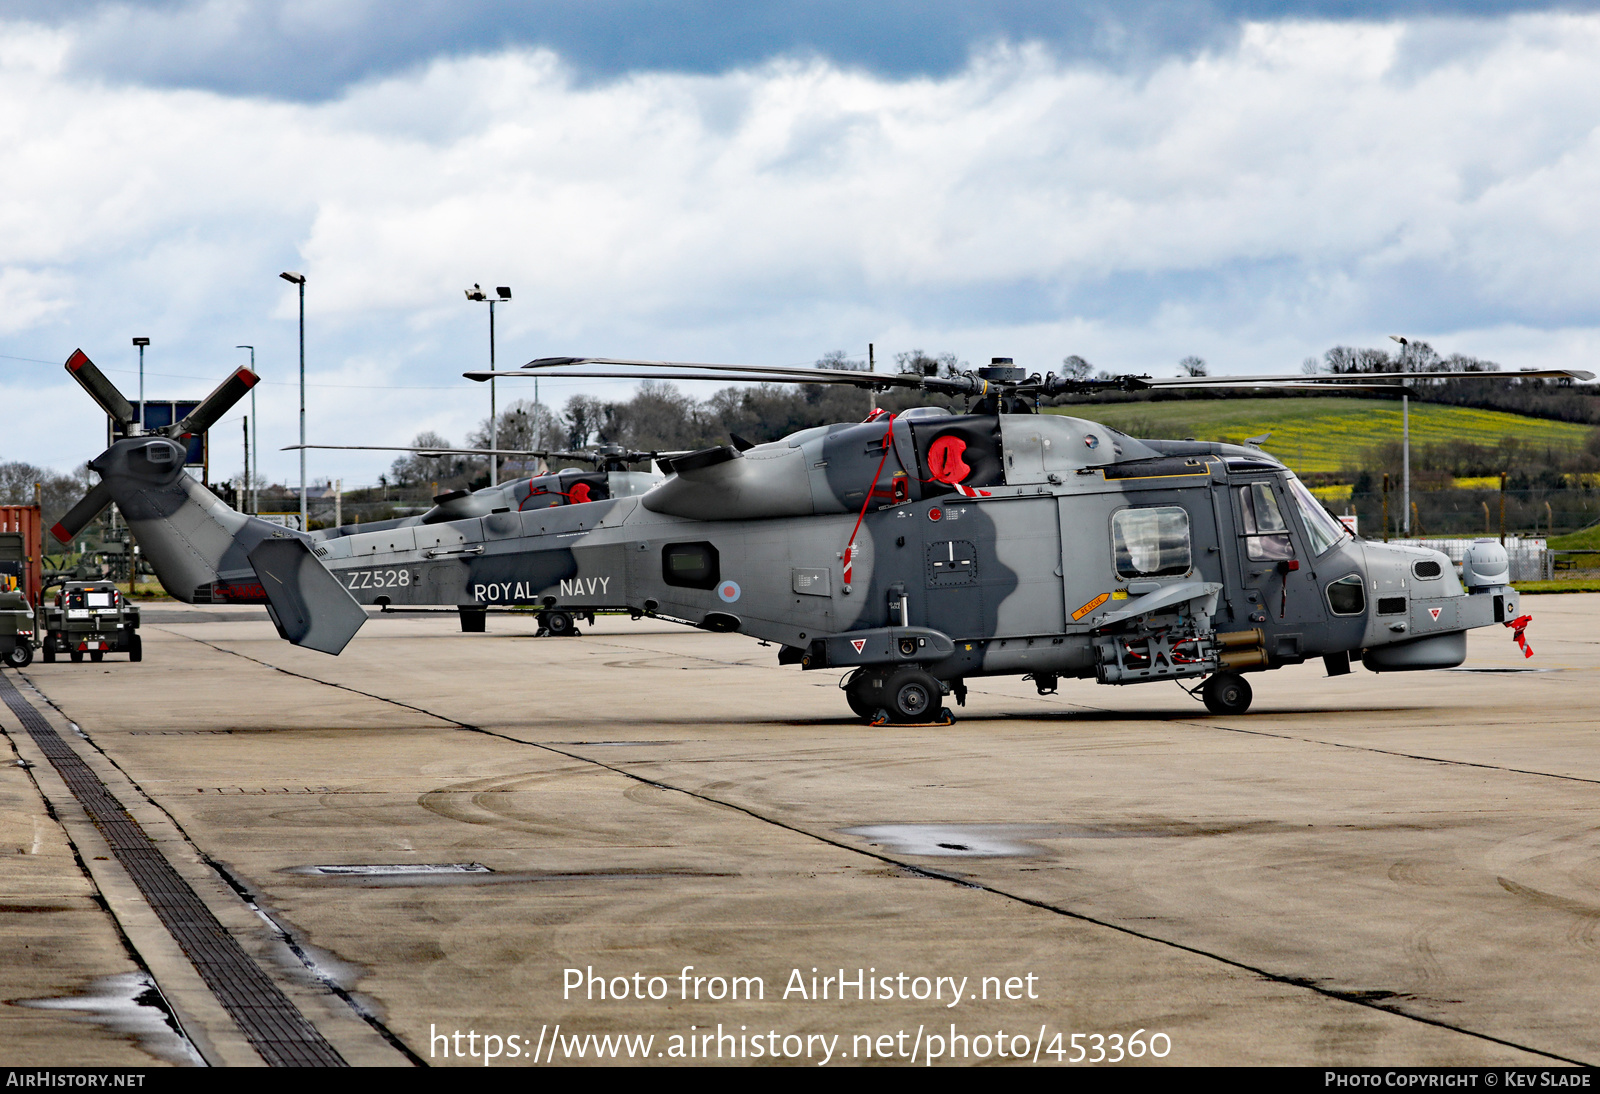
1322, 529
1266, 533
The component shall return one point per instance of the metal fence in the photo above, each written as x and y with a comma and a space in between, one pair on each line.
1531, 557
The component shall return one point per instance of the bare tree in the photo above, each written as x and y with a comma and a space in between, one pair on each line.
1076, 368
525, 425
837, 358
415, 469
944, 364
59, 492
1193, 366
1343, 360
584, 415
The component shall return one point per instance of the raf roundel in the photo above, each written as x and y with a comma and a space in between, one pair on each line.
728, 591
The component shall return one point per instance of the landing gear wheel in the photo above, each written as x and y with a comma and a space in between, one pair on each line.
558, 624
911, 695
20, 657
77, 656
135, 648
97, 656
1227, 693
856, 693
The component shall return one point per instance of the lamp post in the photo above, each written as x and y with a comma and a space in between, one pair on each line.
255, 440
141, 343
1405, 444
502, 296
300, 279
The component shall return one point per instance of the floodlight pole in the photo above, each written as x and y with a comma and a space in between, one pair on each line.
141, 343
255, 440
300, 279
494, 415
1405, 443
502, 296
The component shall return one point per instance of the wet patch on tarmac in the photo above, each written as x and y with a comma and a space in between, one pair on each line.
398, 869
1467, 668
1017, 840
129, 1005
613, 744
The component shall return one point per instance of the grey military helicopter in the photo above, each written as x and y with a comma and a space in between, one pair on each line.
913, 551
612, 477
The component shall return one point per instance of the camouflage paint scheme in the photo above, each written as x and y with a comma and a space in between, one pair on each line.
993, 553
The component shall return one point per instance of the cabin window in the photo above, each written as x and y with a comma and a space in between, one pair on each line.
1266, 534
1151, 542
690, 565
1347, 596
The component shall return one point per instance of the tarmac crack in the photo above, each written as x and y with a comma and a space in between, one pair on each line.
1392, 752
1337, 744
1369, 1000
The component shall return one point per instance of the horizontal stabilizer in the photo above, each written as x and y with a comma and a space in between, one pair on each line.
308, 605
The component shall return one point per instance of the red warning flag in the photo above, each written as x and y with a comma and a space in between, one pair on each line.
1518, 625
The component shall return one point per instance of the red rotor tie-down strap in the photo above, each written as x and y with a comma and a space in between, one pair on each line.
1518, 625
578, 495
850, 548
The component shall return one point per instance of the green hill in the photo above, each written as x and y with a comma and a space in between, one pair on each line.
1326, 434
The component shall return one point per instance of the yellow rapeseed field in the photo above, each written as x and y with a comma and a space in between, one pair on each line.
1315, 435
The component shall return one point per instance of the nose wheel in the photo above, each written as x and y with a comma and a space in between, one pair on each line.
1227, 693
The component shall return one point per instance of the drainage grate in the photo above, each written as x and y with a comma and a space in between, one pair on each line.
274, 1026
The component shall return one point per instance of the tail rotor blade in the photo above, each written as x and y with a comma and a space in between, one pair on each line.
100, 389
91, 505
218, 403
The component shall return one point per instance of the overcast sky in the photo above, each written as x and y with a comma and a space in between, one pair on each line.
1134, 183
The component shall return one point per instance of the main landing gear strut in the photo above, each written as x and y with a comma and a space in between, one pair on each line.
904, 694
1226, 693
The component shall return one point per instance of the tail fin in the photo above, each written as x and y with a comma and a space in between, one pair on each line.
308, 605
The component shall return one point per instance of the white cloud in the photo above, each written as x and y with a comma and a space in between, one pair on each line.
1314, 183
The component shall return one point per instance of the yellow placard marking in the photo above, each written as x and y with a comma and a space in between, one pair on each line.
1091, 606
1120, 594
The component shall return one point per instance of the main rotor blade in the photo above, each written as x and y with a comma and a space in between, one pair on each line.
426, 451
1345, 379
91, 505
1279, 383
751, 376
214, 406
101, 390
803, 373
